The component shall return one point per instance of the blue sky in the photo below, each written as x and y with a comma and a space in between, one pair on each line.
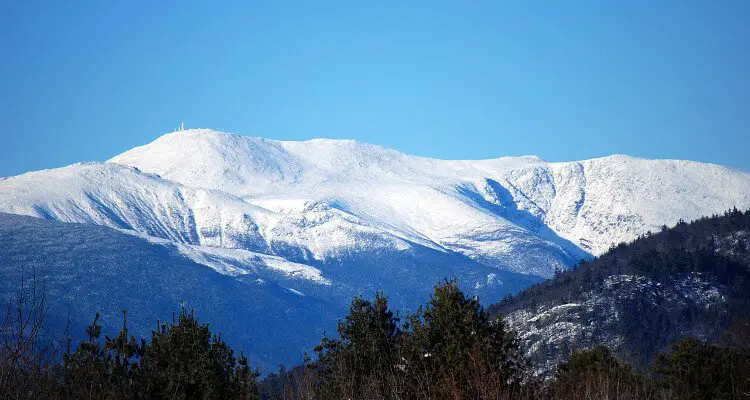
85, 80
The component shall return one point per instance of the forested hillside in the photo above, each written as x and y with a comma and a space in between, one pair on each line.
689, 280
665, 317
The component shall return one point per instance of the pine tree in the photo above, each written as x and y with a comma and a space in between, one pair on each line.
458, 349
363, 359
87, 369
697, 370
184, 361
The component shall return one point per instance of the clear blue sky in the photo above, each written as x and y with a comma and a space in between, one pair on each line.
85, 80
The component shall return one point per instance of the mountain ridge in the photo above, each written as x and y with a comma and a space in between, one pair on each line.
531, 157
386, 165
325, 220
686, 280
481, 208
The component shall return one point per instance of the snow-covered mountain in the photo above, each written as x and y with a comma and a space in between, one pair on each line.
465, 206
329, 219
317, 199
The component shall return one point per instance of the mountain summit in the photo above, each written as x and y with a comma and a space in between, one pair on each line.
593, 203
328, 219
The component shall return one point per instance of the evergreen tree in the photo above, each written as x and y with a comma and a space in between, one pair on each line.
87, 369
363, 359
185, 361
697, 370
596, 373
455, 348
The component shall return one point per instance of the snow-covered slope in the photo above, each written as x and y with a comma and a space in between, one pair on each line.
317, 200
329, 219
124, 197
468, 206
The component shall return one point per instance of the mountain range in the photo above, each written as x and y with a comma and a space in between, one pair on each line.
269, 240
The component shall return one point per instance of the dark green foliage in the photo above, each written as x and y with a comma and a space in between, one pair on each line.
108, 371
452, 342
691, 370
697, 370
184, 360
596, 373
596, 359
685, 248
447, 349
364, 357
712, 249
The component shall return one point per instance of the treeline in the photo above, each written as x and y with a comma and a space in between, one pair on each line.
182, 360
713, 249
448, 349
707, 245
451, 349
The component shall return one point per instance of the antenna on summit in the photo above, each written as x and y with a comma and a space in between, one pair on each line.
182, 126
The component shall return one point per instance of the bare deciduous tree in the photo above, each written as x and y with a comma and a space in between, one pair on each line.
27, 355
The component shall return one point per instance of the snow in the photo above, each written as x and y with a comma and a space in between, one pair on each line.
550, 329
324, 220
450, 203
236, 262
562, 308
314, 201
